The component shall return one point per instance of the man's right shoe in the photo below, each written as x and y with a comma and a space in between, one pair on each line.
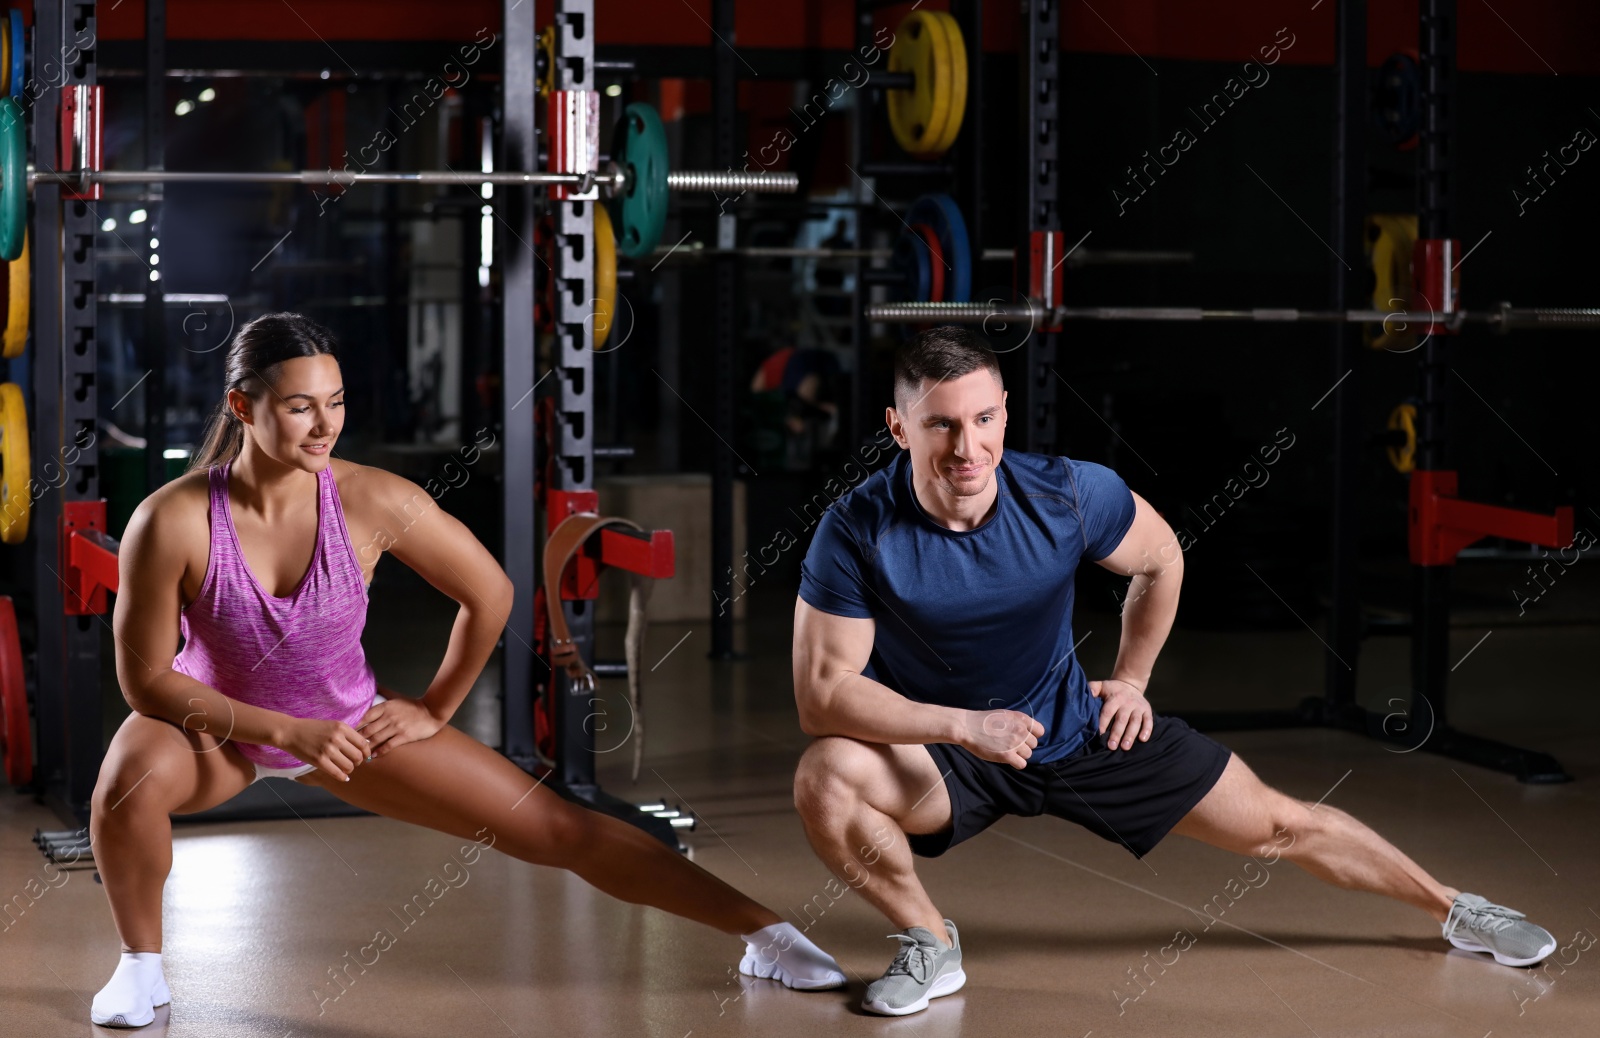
923, 968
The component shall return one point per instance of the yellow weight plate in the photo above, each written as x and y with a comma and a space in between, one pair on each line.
547, 46
15, 476
5, 57
1404, 419
1389, 238
958, 83
605, 276
16, 334
918, 115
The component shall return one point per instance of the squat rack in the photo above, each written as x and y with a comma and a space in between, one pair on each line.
1441, 524
75, 561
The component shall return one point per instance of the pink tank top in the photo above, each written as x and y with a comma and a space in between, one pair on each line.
299, 655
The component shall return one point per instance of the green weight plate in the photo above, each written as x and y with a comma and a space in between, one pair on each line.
13, 179
640, 212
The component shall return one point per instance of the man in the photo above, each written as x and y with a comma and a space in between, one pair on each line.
934, 664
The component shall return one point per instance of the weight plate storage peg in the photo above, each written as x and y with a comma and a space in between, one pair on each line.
639, 211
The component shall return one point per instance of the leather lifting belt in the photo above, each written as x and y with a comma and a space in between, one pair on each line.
559, 548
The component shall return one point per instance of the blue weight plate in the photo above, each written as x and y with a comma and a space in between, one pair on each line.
942, 214
19, 64
911, 260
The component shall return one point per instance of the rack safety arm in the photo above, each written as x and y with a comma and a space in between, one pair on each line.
1442, 524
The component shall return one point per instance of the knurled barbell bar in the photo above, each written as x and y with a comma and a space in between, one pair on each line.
1080, 257
636, 179
613, 179
1503, 317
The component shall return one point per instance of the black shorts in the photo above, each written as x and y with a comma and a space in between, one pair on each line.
1133, 797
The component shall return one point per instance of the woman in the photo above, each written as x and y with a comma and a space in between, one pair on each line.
272, 680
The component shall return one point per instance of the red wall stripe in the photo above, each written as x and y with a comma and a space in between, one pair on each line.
1532, 36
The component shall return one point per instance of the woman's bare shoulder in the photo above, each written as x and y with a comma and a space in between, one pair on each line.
368, 492
174, 517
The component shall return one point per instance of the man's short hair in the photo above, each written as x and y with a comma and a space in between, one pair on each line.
941, 354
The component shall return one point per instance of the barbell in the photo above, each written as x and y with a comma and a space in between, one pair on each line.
1502, 317
636, 180
1079, 258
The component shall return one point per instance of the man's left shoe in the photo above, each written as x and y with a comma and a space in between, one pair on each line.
1477, 925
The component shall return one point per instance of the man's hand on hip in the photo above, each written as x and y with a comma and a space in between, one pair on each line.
1124, 712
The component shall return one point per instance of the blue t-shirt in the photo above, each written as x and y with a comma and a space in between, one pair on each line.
977, 619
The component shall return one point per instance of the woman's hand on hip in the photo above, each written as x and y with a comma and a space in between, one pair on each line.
332, 746
395, 722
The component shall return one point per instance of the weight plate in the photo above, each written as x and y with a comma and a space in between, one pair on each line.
605, 276
16, 743
1397, 100
17, 297
547, 50
910, 259
19, 53
13, 179
639, 211
5, 56
1404, 419
1390, 237
958, 83
936, 262
15, 470
942, 214
918, 115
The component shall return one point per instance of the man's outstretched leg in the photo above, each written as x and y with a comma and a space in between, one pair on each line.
1243, 814
861, 803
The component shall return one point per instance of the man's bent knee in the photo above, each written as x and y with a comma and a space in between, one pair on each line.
832, 769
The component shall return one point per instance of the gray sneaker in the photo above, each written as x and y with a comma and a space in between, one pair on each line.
1477, 925
923, 968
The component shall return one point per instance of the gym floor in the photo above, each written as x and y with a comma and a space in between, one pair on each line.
1055, 923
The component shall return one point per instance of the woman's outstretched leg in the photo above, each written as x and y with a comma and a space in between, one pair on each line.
456, 785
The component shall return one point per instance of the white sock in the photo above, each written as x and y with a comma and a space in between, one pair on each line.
134, 990
781, 952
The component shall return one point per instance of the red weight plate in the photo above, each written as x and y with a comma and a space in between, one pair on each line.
936, 261
15, 741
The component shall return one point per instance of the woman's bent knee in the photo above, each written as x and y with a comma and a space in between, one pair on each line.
152, 766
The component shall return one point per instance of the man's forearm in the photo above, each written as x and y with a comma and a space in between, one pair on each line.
858, 707
1147, 616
